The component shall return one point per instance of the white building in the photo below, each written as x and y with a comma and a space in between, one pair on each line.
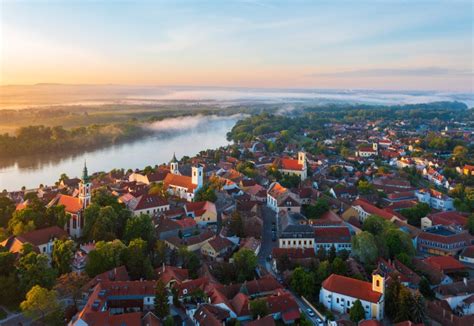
339, 293
435, 199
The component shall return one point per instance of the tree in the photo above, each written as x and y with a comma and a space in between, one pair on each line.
236, 224
317, 210
63, 253
7, 207
71, 284
405, 301
33, 269
245, 262
364, 247
375, 224
162, 308
339, 266
365, 187
470, 224
460, 153
391, 298
332, 253
39, 301
425, 288
206, 193
106, 256
416, 213
137, 262
168, 321
417, 309
398, 242
302, 282
140, 227
258, 308
283, 263
321, 254
159, 253
357, 312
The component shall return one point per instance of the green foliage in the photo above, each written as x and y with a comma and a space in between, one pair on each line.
364, 247
63, 253
236, 224
140, 227
39, 301
357, 313
425, 288
7, 207
247, 168
258, 307
398, 242
190, 261
290, 181
33, 269
106, 256
162, 308
317, 210
137, 261
365, 187
206, 193
245, 263
302, 282
416, 213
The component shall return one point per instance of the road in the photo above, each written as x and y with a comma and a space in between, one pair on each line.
266, 247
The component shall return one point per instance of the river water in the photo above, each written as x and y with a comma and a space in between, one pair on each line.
183, 136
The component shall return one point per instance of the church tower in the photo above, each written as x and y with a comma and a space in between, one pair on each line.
85, 186
378, 282
174, 165
302, 159
197, 175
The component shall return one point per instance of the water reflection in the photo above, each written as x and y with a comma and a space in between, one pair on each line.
33, 170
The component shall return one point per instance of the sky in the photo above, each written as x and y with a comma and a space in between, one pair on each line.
409, 45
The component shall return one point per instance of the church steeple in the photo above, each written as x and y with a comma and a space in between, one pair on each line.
85, 188
174, 165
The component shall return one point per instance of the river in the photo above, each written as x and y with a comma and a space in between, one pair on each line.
183, 136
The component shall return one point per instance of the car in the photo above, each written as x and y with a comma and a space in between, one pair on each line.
310, 312
319, 322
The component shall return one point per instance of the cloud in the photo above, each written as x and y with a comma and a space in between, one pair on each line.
405, 72
186, 123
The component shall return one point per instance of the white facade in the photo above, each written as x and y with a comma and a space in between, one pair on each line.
296, 243
342, 303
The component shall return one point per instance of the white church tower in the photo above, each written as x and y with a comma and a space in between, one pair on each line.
174, 165
85, 186
197, 175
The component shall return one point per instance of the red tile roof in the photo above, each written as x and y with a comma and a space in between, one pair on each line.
170, 273
219, 243
351, 287
42, 236
266, 321
146, 201
332, 235
371, 209
290, 164
444, 263
179, 181
240, 303
71, 204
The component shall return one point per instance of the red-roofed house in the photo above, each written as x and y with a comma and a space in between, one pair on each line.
218, 247
183, 186
340, 292
326, 237
362, 209
203, 212
288, 166
42, 240
445, 264
444, 218
147, 204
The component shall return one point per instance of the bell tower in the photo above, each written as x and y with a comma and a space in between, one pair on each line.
302, 159
174, 165
378, 282
85, 186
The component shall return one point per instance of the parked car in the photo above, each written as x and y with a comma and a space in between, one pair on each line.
310, 312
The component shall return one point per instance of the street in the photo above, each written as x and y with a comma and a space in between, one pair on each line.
266, 249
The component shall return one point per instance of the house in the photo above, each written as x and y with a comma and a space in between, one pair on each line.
280, 198
362, 209
442, 240
210, 315
468, 170
119, 273
147, 204
167, 228
171, 275
326, 237
111, 303
282, 305
467, 255
41, 239
396, 268
297, 236
218, 247
367, 150
192, 243
183, 186
156, 176
435, 199
444, 264
448, 218
203, 212
75, 206
458, 295
339, 293
289, 166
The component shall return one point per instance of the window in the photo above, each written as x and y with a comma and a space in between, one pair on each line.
377, 283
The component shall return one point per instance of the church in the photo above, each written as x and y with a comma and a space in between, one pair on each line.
75, 205
289, 166
183, 186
